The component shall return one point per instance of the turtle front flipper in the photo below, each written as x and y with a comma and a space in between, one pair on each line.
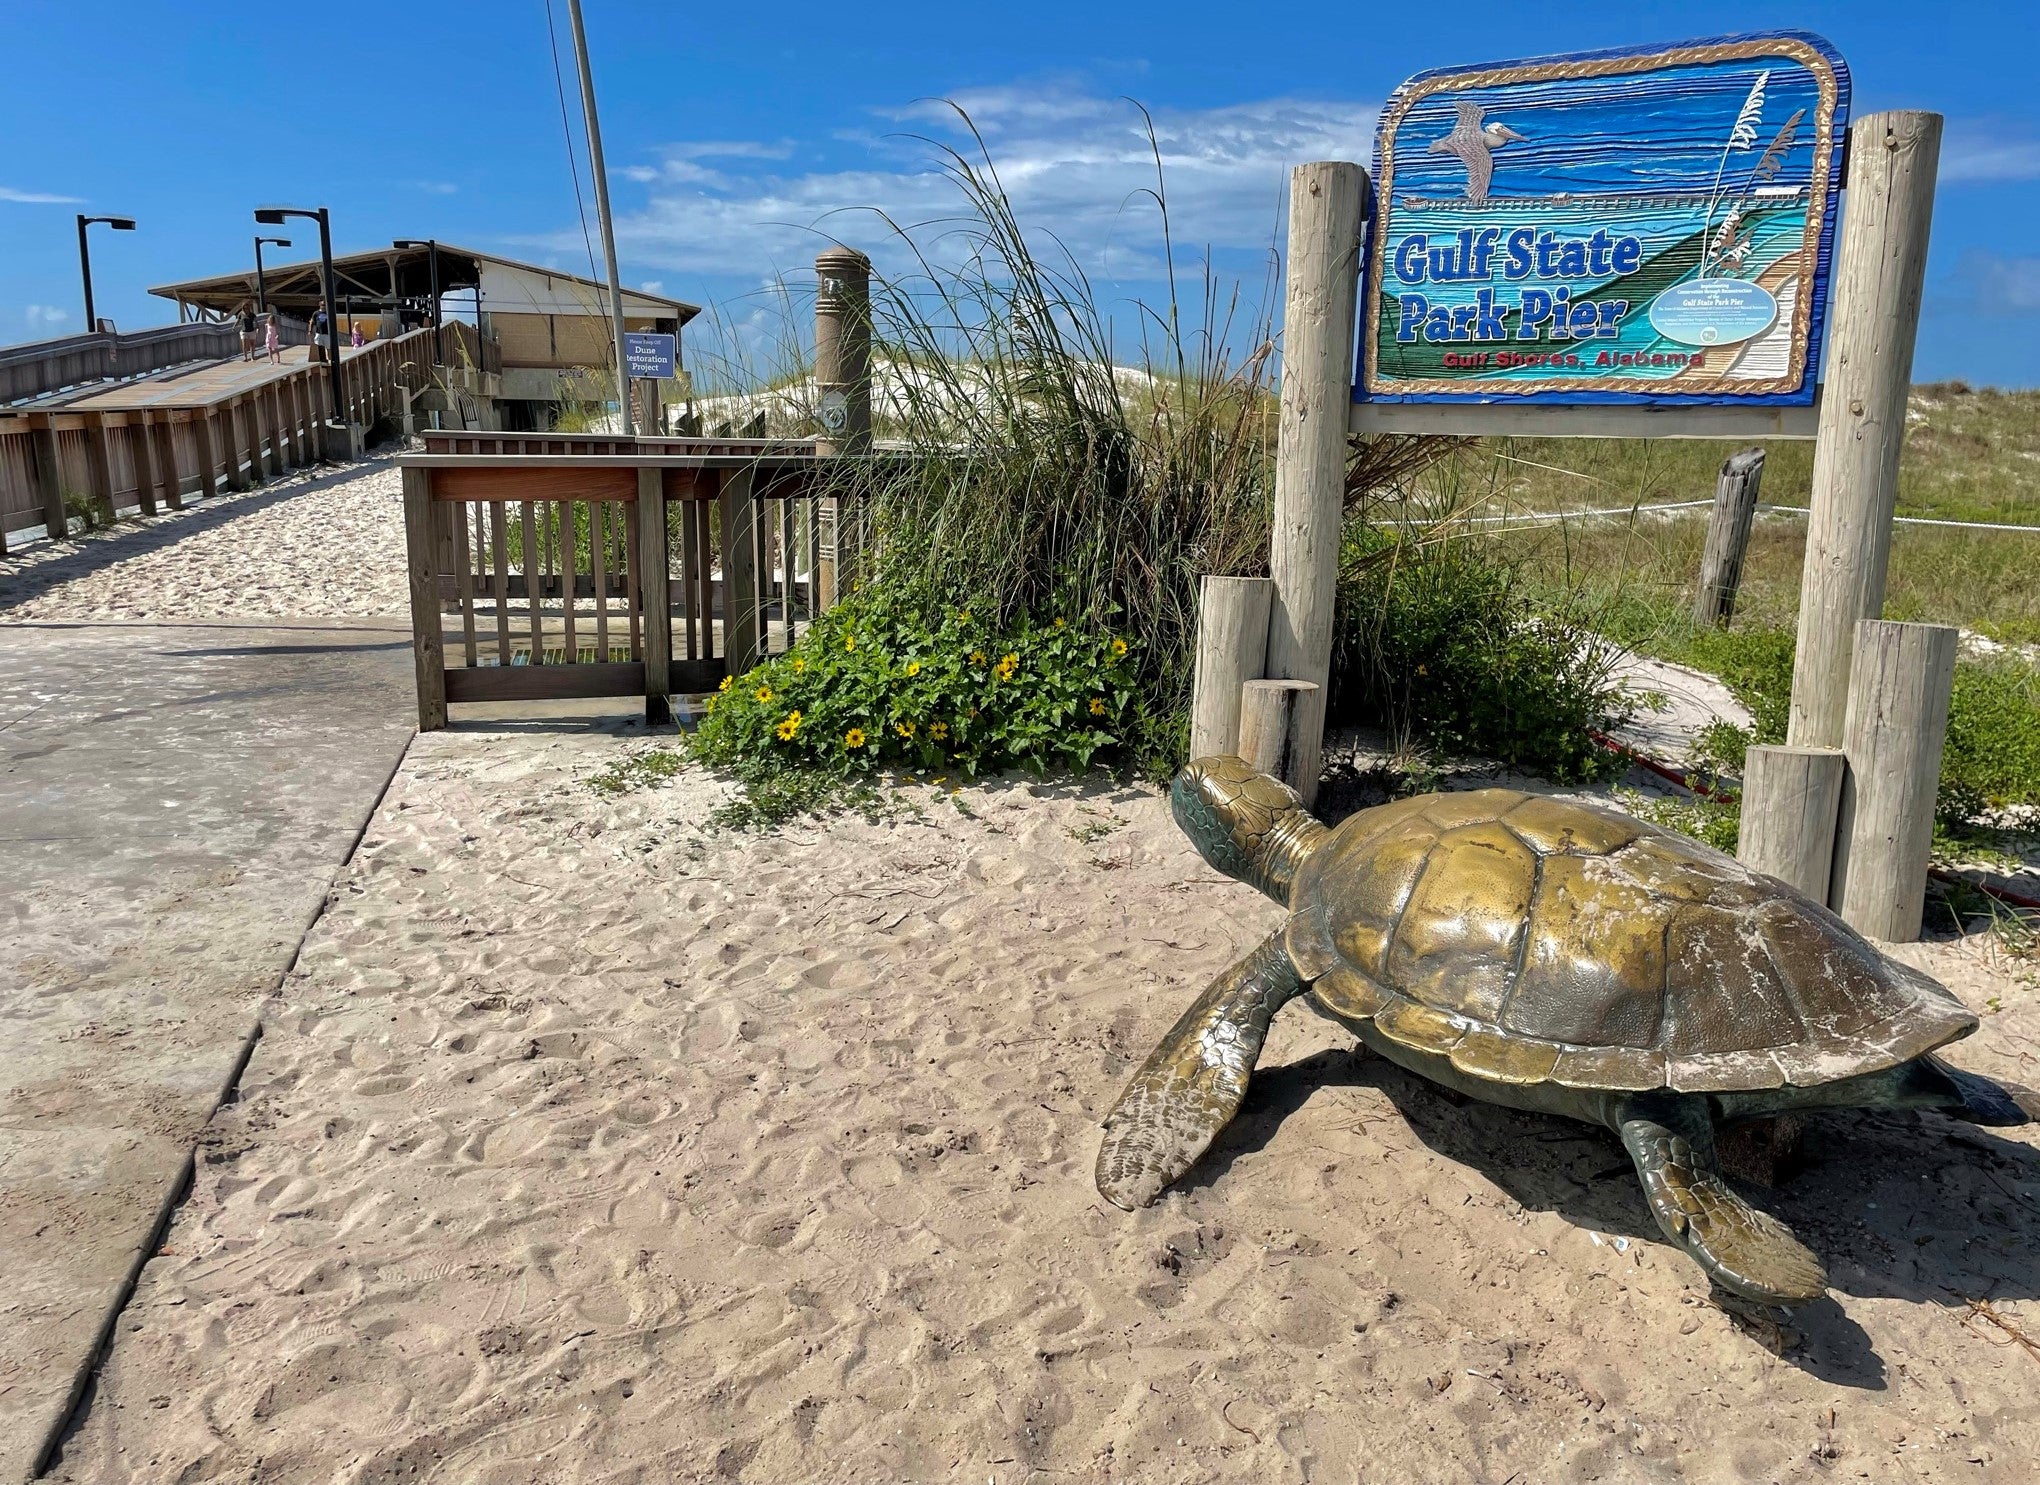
1192, 1083
1747, 1252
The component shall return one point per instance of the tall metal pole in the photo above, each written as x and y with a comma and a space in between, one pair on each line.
261, 288
332, 317
85, 267
602, 211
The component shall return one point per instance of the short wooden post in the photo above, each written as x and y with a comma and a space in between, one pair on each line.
272, 428
49, 476
653, 598
1728, 537
1273, 715
99, 463
1880, 264
842, 390
1790, 798
1232, 646
421, 544
143, 450
1900, 681
166, 462
741, 632
1310, 469
247, 416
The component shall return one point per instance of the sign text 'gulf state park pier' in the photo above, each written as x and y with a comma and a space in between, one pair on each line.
1650, 226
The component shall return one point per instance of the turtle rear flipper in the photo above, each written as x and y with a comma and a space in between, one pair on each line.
1978, 1099
1748, 1252
1192, 1083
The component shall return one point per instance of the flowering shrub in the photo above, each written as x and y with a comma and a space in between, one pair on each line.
880, 680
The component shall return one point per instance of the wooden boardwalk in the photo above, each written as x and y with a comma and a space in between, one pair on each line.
152, 442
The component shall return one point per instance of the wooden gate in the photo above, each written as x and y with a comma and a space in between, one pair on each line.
544, 576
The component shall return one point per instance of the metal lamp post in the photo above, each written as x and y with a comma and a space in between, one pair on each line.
119, 224
273, 216
261, 285
431, 246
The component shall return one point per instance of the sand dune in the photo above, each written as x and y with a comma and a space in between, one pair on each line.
583, 1147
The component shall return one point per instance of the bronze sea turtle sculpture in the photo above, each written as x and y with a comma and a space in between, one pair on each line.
1549, 956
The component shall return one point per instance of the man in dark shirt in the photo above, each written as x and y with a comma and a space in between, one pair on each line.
247, 332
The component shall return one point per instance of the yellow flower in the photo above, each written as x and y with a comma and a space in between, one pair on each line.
1007, 666
789, 727
764, 693
799, 665
849, 641
904, 729
1058, 623
963, 616
854, 738
725, 683
1118, 648
977, 657
913, 667
1097, 706
1422, 671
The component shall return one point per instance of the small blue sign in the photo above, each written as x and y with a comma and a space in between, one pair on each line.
649, 354
1653, 225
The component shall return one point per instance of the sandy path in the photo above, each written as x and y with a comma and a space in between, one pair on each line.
581, 1148
315, 544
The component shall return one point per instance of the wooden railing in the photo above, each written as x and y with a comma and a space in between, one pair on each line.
637, 572
38, 369
147, 457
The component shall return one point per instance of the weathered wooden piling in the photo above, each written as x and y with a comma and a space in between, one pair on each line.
1310, 470
1900, 681
1793, 836
1728, 537
1232, 647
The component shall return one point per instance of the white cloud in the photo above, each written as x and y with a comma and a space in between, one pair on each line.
652, 285
39, 315
38, 198
437, 187
1989, 150
1076, 164
1995, 284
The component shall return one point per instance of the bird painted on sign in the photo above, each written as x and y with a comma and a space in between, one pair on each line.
1475, 146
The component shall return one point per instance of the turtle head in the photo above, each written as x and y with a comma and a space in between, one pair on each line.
1248, 825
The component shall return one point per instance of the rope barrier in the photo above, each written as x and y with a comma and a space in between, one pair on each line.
1527, 517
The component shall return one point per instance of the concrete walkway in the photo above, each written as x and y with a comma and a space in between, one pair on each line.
174, 804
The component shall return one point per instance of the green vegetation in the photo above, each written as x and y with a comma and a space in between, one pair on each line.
881, 681
1436, 643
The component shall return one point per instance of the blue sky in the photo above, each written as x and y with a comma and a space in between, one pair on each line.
739, 137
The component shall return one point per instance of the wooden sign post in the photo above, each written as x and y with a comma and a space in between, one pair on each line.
1619, 244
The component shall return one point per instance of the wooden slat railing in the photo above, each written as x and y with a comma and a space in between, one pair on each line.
144, 458
43, 367
539, 577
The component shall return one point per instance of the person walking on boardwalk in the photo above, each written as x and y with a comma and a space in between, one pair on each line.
269, 339
247, 332
354, 336
319, 335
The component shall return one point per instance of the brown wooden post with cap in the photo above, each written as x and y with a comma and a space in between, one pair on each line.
652, 595
842, 391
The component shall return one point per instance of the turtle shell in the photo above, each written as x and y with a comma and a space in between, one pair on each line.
1537, 940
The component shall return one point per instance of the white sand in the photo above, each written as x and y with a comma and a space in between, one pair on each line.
583, 1148
315, 544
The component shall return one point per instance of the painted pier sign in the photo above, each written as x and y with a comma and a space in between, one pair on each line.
1651, 226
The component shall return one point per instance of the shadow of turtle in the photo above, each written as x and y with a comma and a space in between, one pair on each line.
1900, 1206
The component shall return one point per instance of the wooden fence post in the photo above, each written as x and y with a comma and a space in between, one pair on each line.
1728, 537
143, 449
1232, 646
166, 461
1272, 717
49, 476
99, 463
1880, 263
741, 633
421, 543
1310, 469
843, 390
652, 595
1899, 685
1793, 836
